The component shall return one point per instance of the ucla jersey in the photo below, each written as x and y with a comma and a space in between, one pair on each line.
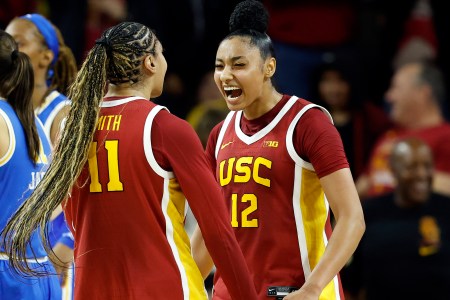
52, 105
278, 209
18, 174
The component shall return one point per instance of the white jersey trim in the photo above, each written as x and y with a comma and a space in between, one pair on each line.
12, 140
147, 141
290, 134
171, 240
260, 134
47, 101
299, 221
38, 260
120, 101
48, 123
223, 130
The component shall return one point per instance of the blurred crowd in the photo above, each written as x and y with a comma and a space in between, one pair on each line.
370, 38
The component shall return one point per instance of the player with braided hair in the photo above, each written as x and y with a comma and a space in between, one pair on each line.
281, 164
128, 166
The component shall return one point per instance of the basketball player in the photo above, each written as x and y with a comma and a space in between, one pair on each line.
24, 156
281, 165
129, 166
54, 68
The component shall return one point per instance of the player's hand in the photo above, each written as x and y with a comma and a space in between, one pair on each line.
305, 293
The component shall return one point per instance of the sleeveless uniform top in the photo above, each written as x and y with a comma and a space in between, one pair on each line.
278, 208
127, 214
52, 105
18, 174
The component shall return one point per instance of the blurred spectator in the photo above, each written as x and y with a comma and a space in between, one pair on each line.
308, 33
416, 95
405, 252
359, 122
394, 32
70, 17
210, 108
101, 14
10, 9
82, 21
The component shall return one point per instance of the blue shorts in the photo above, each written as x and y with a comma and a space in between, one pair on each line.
14, 286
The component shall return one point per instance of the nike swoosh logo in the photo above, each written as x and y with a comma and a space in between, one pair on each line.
224, 145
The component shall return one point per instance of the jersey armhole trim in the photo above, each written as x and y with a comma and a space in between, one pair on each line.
290, 135
49, 122
12, 139
148, 144
47, 101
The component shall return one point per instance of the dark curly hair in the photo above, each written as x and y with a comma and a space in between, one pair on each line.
250, 19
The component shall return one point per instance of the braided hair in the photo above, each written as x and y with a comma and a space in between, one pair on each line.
115, 58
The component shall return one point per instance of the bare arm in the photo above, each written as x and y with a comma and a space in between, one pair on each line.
56, 127
362, 185
63, 259
201, 254
4, 137
344, 202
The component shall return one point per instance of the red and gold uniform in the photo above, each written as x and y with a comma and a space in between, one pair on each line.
278, 209
128, 208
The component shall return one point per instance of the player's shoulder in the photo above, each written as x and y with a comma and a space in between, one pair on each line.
311, 108
170, 124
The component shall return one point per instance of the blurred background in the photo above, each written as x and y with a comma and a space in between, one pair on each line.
368, 38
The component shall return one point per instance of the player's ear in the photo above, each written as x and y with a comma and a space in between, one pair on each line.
270, 67
149, 63
46, 58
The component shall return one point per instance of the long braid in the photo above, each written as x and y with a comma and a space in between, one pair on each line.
133, 41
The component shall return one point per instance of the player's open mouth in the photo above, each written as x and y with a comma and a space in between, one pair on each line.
232, 92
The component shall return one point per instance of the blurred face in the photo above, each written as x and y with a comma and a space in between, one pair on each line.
403, 95
161, 64
32, 43
413, 169
239, 73
334, 89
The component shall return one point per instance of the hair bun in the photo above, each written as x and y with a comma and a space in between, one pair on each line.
249, 14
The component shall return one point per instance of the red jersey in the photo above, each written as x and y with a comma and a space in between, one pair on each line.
128, 208
278, 209
378, 171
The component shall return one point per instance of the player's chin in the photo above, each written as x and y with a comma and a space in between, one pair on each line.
234, 105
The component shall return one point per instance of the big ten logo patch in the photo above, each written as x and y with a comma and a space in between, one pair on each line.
430, 234
244, 169
271, 144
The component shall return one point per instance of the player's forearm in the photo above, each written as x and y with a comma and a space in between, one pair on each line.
201, 254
